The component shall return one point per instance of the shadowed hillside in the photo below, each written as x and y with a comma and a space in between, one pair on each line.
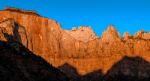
75, 76
129, 69
19, 64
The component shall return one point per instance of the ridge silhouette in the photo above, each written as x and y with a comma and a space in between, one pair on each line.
75, 76
21, 11
127, 69
17, 63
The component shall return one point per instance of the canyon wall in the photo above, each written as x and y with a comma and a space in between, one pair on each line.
79, 47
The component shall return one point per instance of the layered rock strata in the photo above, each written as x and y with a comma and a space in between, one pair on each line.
79, 47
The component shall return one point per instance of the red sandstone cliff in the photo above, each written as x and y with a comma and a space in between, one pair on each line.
79, 47
36, 33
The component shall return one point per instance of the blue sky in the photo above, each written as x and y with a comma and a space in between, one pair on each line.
125, 15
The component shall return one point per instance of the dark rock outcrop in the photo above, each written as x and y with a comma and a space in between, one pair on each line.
21, 11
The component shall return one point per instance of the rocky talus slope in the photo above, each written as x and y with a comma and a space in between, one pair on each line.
79, 47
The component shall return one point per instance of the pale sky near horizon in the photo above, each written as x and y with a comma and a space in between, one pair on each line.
125, 15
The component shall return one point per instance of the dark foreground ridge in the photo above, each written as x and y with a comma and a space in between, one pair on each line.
19, 64
127, 69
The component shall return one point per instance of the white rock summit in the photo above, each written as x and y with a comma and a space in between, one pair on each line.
82, 33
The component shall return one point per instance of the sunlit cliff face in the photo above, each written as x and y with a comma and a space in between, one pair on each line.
80, 47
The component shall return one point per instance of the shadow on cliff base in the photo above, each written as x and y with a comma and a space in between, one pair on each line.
72, 73
16, 36
127, 69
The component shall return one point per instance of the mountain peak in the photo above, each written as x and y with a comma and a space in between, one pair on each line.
111, 28
82, 33
110, 34
126, 35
